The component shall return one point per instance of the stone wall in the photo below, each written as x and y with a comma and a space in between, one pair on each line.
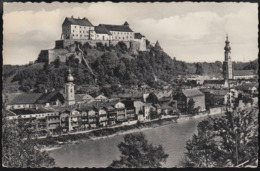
54, 53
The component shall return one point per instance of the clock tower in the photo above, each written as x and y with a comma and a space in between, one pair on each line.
227, 64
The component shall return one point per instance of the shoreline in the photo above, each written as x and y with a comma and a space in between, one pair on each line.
123, 132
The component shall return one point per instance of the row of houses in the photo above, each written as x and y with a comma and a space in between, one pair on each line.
88, 116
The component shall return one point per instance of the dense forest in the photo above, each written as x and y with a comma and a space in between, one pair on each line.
111, 66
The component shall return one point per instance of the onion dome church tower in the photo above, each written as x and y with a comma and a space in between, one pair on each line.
69, 90
227, 64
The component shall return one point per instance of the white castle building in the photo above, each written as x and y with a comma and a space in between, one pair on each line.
83, 31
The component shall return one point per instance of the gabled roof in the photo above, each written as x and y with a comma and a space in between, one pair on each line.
81, 22
101, 30
243, 73
79, 97
138, 36
101, 96
219, 92
122, 28
51, 96
214, 81
192, 92
26, 98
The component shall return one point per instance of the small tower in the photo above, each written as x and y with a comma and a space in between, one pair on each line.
69, 90
126, 23
227, 64
157, 45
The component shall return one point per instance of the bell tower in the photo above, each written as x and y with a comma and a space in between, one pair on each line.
69, 90
227, 64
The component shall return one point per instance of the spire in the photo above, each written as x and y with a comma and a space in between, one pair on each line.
126, 23
157, 45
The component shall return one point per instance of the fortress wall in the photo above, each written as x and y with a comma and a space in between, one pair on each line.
43, 56
54, 53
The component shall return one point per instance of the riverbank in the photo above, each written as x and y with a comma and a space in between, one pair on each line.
52, 143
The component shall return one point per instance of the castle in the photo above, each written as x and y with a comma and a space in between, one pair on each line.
83, 31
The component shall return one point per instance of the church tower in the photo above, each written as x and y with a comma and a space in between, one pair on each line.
227, 64
69, 90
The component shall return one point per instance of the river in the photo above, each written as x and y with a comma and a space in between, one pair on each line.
101, 152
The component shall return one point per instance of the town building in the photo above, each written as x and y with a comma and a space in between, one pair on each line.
185, 95
130, 110
244, 74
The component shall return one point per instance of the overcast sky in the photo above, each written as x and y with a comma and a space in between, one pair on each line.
192, 32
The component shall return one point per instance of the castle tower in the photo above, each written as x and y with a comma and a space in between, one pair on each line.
227, 64
69, 90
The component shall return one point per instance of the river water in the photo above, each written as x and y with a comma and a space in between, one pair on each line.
101, 153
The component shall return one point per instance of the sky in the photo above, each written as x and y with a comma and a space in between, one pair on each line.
191, 32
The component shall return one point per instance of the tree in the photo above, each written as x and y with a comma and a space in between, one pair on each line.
19, 150
191, 105
57, 62
152, 98
136, 152
225, 141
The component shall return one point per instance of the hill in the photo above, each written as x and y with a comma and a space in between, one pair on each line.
107, 66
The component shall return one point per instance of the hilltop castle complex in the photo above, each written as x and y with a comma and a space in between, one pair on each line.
83, 31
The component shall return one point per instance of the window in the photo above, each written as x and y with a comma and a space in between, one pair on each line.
79, 27
97, 35
75, 26
73, 30
72, 34
80, 31
83, 31
71, 90
84, 27
76, 34
80, 35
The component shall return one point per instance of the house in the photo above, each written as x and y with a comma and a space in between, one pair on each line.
119, 32
79, 98
76, 28
244, 74
92, 118
120, 112
101, 115
87, 98
70, 119
158, 108
185, 95
147, 108
215, 97
111, 115
101, 98
214, 83
24, 101
102, 33
139, 107
130, 109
